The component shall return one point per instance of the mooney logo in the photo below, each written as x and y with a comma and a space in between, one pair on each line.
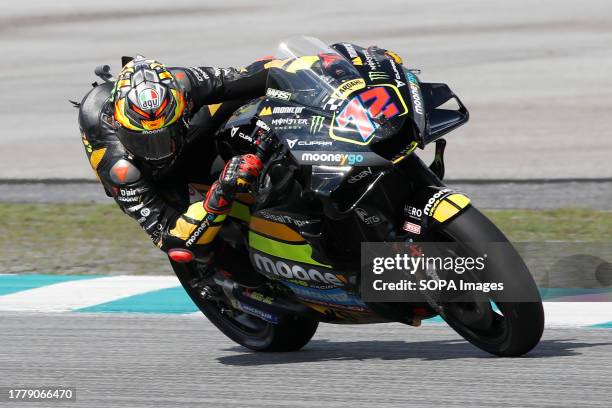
433, 199
415, 92
316, 123
197, 233
333, 158
284, 270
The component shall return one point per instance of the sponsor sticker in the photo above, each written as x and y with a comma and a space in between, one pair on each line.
289, 123
293, 142
268, 317
199, 74
283, 269
267, 111
196, 234
261, 124
316, 124
360, 176
149, 98
329, 297
350, 50
398, 76
415, 92
260, 297
284, 219
235, 131
349, 87
378, 76
412, 227
341, 159
278, 94
413, 212
433, 201
288, 109
370, 60
367, 218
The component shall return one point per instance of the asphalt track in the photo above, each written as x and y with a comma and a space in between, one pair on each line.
161, 361
535, 75
592, 194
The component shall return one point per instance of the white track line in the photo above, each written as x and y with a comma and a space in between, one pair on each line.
66, 296
577, 313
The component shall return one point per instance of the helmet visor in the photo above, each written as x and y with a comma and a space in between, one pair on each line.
152, 144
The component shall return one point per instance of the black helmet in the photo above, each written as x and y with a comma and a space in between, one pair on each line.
149, 105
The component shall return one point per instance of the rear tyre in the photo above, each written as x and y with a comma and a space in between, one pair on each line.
247, 330
515, 327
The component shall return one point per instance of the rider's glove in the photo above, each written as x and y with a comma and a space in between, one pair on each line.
237, 176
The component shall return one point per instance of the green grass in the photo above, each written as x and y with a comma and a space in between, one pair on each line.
99, 238
568, 224
75, 238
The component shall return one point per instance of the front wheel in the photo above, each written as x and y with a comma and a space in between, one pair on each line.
245, 329
503, 328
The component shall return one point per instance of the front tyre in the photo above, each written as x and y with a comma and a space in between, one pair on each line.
247, 330
515, 327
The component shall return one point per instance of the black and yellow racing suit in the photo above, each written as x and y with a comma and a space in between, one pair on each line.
159, 198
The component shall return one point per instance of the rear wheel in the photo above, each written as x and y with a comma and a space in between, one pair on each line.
245, 329
501, 328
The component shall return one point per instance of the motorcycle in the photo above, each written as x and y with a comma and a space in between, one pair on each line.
338, 128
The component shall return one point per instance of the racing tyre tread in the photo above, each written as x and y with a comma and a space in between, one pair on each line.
524, 320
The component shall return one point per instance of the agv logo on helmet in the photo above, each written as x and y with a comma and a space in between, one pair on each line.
149, 104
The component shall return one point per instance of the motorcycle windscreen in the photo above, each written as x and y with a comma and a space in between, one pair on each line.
310, 73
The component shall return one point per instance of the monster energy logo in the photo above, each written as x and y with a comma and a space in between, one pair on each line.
377, 75
316, 123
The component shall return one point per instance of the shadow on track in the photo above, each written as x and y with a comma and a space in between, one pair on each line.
325, 350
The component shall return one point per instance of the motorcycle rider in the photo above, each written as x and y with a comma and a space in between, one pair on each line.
147, 136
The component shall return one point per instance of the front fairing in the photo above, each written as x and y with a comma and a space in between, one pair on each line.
327, 112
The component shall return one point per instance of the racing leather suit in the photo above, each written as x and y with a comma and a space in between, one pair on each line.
159, 198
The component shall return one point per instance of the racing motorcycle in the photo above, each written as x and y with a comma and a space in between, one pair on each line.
338, 128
